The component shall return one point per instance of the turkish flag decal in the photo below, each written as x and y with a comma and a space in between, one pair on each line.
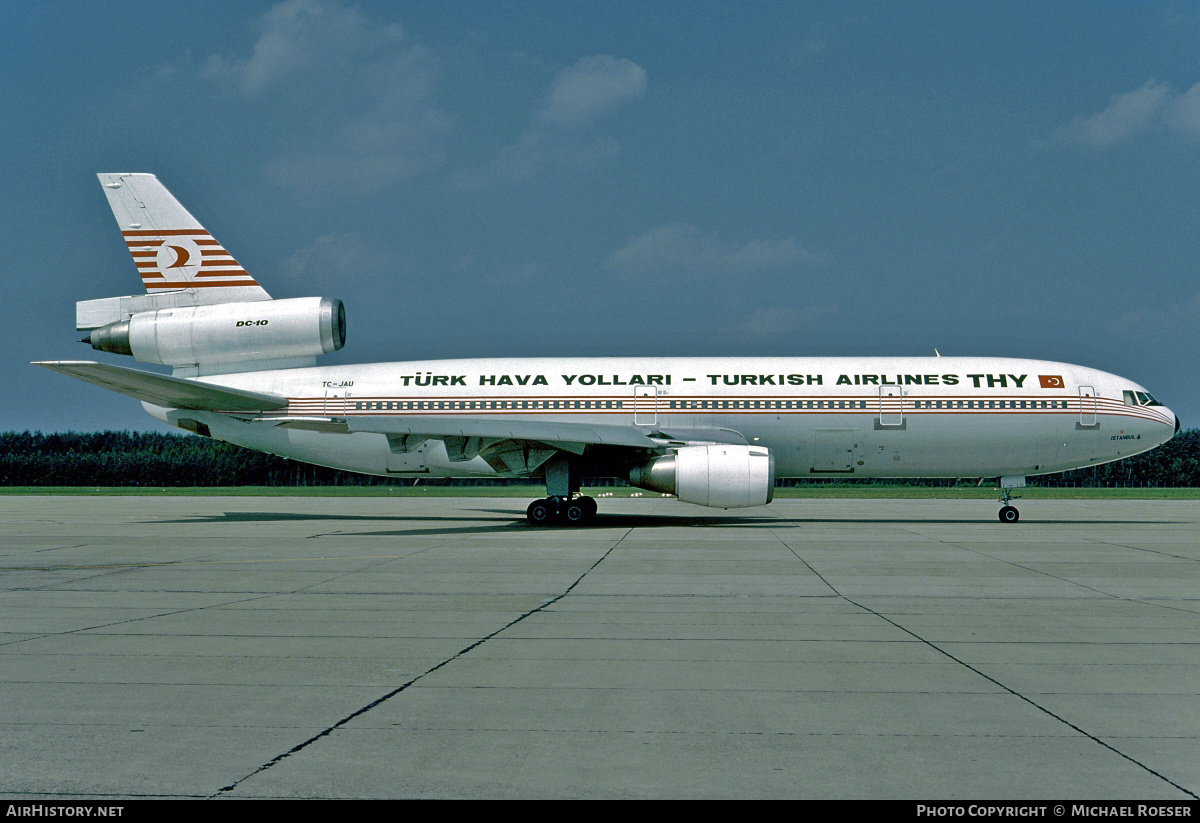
1050, 381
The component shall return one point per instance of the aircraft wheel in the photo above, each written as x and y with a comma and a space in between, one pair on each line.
1009, 514
574, 513
589, 507
540, 512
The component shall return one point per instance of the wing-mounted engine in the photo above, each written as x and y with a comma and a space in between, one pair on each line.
229, 336
721, 476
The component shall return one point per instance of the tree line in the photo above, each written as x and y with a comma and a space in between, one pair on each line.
154, 459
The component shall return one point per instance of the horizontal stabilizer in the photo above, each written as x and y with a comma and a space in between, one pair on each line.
161, 390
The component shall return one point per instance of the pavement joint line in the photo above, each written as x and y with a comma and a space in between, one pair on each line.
989, 678
1183, 557
138, 619
259, 596
1068, 581
403, 687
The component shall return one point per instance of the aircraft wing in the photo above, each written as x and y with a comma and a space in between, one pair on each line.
553, 433
162, 390
174, 392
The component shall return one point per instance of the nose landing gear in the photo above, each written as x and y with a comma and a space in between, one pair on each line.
1009, 514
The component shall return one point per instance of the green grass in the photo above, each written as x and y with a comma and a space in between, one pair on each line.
814, 491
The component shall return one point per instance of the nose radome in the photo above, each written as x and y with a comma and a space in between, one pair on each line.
1174, 417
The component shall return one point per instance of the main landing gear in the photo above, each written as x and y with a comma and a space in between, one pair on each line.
562, 503
570, 511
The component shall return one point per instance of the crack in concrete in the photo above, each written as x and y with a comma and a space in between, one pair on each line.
401, 688
985, 676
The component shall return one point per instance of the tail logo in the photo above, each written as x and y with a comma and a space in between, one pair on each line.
178, 259
183, 258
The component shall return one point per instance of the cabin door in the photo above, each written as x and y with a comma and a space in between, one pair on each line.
645, 405
1087, 406
891, 406
335, 404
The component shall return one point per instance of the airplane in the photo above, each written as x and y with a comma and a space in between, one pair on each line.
713, 431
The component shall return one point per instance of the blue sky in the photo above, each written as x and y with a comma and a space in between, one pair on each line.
643, 178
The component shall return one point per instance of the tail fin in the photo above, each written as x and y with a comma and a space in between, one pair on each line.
170, 248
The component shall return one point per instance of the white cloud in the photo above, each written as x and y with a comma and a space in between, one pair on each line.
1153, 106
1184, 116
591, 90
354, 98
681, 250
303, 38
579, 98
536, 150
336, 258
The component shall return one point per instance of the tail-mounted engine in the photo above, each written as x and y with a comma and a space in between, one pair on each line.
721, 476
228, 333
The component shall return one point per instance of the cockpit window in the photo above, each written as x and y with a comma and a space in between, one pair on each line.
1139, 398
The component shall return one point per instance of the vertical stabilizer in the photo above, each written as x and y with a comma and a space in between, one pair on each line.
172, 251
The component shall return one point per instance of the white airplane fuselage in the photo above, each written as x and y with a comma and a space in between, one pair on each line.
861, 417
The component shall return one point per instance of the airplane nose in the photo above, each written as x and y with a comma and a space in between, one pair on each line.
1175, 417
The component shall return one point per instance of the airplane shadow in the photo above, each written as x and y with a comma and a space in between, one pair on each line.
506, 521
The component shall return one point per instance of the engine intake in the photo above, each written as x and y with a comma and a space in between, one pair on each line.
721, 476
228, 332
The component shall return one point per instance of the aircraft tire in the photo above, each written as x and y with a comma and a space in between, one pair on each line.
589, 507
1009, 514
574, 513
540, 512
